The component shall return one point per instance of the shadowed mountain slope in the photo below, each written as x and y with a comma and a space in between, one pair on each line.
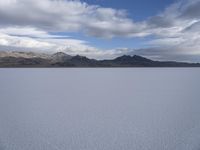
60, 59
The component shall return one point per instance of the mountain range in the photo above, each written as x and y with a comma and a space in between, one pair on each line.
60, 59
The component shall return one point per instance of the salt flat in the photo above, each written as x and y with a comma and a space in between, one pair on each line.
100, 109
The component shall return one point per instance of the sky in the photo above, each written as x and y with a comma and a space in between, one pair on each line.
103, 29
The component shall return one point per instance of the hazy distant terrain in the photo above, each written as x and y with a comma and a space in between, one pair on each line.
100, 109
60, 59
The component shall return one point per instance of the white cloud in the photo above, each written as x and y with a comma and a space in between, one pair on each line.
25, 42
28, 23
67, 15
26, 39
177, 28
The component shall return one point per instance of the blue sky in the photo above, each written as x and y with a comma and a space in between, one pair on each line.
137, 9
103, 29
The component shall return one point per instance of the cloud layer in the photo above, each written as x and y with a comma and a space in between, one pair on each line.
67, 15
27, 24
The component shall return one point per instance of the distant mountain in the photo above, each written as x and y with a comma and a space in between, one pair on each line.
129, 61
139, 61
60, 59
17, 54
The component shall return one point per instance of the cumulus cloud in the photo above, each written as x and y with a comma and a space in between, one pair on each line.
191, 9
68, 15
26, 42
176, 31
28, 24
31, 39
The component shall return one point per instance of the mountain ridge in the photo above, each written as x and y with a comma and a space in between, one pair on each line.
61, 59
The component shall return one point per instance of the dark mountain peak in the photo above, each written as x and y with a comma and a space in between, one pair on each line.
137, 56
128, 61
140, 58
79, 57
124, 57
131, 58
60, 54
82, 61
60, 57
